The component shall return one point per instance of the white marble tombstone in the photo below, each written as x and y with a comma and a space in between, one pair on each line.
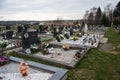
86, 28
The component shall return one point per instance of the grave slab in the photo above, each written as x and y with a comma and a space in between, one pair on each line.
37, 71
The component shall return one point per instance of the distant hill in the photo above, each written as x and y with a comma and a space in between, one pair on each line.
5, 23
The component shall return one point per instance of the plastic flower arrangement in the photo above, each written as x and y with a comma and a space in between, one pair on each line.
74, 38
23, 68
45, 45
3, 60
65, 46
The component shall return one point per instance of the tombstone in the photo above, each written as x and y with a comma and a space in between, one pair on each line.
71, 31
86, 28
25, 27
54, 32
19, 29
40, 28
60, 29
8, 34
118, 29
22, 28
29, 38
37, 30
45, 28
8, 27
57, 31
66, 27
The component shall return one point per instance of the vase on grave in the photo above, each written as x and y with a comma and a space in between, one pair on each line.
74, 38
67, 35
58, 38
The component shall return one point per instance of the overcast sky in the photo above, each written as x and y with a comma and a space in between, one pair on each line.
48, 9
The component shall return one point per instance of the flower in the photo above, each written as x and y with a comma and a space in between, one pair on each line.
65, 46
3, 59
74, 38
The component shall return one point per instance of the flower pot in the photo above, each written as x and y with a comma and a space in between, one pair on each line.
58, 38
67, 36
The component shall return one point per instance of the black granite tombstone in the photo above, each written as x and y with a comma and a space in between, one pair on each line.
9, 34
54, 32
25, 27
60, 29
8, 27
29, 38
71, 31
41, 28
19, 29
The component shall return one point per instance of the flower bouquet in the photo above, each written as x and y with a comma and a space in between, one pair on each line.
66, 46
62, 37
74, 38
3, 60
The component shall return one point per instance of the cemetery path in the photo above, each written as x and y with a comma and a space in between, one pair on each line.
114, 52
118, 46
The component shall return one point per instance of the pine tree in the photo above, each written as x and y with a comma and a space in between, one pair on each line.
104, 20
90, 17
116, 14
98, 14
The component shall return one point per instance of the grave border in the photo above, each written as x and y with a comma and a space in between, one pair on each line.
59, 73
71, 65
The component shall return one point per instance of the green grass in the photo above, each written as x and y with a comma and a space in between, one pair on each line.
12, 28
99, 65
96, 65
104, 66
113, 37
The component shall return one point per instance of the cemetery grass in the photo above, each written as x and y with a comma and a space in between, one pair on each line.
12, 28
99, 65
113, 37
96, 65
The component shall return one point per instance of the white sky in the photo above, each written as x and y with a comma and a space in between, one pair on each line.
48, 9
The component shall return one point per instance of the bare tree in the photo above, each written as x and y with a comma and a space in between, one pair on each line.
59, 19
85, 17
108, 11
